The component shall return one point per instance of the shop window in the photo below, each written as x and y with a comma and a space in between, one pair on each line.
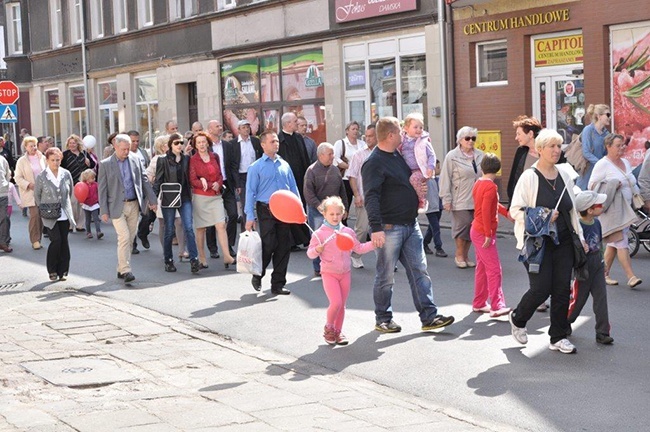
355, 76
414, 85
179, 9
15, 28
383, 89
492, 63
78, 118
97, 18
56, 23
262, 90
53, 116
147, 109
108, 111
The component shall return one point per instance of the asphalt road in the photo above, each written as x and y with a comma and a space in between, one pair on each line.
474, 366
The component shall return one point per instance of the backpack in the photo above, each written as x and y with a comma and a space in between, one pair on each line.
574, 155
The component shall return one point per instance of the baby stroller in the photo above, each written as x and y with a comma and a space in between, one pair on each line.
639, 233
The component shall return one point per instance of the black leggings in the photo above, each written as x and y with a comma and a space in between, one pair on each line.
58, 253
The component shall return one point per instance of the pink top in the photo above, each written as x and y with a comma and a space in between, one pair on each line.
333, 259
35, 162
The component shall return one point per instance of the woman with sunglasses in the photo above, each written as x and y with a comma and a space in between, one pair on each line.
207, 182
460, 170
175, 168
593, 139
612, 175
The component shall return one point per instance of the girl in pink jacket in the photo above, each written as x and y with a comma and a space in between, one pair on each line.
335, 265
417, 151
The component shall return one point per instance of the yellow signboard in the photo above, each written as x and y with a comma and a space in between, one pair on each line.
490, 142
561, 50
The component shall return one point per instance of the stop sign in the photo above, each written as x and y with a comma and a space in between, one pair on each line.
8, 92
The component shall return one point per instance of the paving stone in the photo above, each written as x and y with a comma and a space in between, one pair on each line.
71, 324
271, 398
89, 329
111, 334
350, 400
192, 413
310, 416
75, 372
390, 416
159, 427
256, 426
109, 421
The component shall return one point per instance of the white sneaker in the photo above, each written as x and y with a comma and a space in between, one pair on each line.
520, 334
357, 262
563, 346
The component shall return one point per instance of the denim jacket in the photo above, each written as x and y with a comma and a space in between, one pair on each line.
538, 227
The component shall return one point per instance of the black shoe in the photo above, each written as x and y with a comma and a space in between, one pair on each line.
316, 273
427, 250
169, 267
145, 242
215, 255
256, 281
280, 291
295, 248
441, 253
438, 322
604, 339
194, 266
120, 275
134, 251
128, 277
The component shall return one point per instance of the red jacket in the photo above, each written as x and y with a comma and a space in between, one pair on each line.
486, 206
93, 194
210, 171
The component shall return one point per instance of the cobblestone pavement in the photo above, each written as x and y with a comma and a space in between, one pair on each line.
172, 376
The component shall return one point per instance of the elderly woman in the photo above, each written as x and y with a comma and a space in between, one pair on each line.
460, 170
175, 168
207, 204
76, 160
612, 175
544, 185
28, 167
53, 196
593, 140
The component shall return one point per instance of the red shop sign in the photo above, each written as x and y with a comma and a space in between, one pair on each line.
352, 10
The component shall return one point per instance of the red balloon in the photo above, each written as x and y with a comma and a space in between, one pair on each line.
344, 241
81, 191
287, 207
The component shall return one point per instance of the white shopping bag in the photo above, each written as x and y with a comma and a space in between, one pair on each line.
249, 253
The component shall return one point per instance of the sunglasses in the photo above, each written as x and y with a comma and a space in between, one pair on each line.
608, 115
177, 142
470, 138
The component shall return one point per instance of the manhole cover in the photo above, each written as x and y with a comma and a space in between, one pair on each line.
10, 286
78, 372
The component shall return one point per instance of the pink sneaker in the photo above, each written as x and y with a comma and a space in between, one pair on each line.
330, 335
340, 338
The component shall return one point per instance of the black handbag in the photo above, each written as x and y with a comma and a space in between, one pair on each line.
50, 210
580, 270
170, 195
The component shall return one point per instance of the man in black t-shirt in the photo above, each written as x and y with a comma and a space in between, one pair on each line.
392, 207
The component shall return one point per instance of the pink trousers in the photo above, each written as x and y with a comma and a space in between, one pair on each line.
418, 182
337, 289
487, 277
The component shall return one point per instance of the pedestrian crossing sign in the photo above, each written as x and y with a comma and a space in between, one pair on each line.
9, 114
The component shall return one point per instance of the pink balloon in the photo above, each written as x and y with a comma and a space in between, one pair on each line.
344, 241
287, 207
81, 191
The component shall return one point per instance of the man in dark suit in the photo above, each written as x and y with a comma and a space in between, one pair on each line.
124, 194
293, 150
229, 170
246, 149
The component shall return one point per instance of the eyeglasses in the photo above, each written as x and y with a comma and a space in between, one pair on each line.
470, 138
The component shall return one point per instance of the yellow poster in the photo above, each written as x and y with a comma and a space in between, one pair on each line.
490, 142
561, 50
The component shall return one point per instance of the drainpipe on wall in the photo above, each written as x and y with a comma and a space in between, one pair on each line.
446, 80
83, 66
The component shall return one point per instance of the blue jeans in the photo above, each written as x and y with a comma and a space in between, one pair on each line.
403, 243
169, 215
433, 232
315, 220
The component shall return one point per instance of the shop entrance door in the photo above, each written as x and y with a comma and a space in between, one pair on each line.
559, 103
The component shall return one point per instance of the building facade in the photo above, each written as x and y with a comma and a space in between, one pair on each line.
551, 59
99, 66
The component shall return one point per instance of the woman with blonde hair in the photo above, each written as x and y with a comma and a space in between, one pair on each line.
593, 139
76, 161
28, 167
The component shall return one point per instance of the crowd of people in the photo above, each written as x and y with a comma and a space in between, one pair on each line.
200, 186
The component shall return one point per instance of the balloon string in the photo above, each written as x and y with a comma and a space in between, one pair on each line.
317, 238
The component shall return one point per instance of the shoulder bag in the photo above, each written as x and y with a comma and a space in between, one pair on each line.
575, 156
50, 210
170, 195
637, 200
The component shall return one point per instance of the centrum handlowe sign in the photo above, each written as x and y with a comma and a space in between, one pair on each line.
535, 19
352, 10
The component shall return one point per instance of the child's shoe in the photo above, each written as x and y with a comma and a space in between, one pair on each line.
423, 206
340, 338
330, 335
99, 235
89, 235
